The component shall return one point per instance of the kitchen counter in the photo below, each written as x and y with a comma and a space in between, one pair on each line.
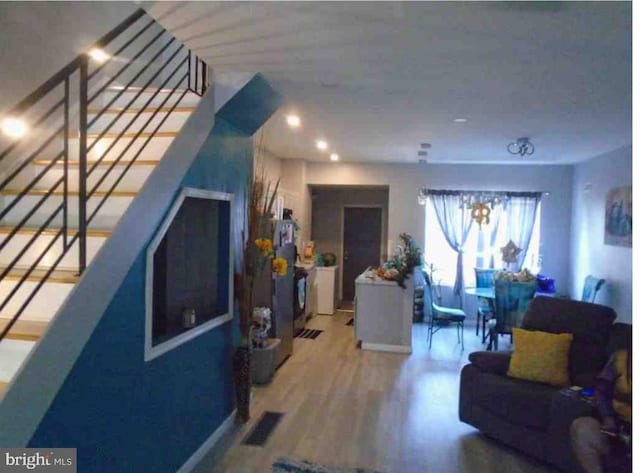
383, 314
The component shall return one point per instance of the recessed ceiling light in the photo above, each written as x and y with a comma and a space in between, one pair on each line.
14, 128
98, 55
461, 120
334, 157
321, 144
293, 121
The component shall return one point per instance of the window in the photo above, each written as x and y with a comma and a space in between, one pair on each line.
479, 252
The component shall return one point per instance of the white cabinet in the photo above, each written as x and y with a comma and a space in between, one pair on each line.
327, 287
383, 314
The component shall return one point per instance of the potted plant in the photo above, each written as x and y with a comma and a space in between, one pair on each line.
405, 258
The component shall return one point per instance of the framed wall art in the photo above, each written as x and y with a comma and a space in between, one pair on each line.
618, 217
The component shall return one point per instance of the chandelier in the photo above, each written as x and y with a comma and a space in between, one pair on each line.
521, 146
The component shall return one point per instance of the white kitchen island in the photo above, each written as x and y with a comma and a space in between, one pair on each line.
383, 314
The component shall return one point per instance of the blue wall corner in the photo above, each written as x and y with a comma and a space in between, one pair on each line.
125, 415
252, 106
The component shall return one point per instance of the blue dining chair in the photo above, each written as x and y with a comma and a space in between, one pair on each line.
591, 287
511, 302
440, 316
484, 279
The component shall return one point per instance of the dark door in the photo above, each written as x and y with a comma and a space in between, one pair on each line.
362, 240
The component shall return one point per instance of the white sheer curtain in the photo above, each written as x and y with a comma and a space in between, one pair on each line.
455, 224
521, 211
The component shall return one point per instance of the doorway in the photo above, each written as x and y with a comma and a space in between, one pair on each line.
361, 244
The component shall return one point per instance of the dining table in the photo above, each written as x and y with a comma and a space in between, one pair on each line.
486, 292
490, 293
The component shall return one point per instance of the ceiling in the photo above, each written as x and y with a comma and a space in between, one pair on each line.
376, 79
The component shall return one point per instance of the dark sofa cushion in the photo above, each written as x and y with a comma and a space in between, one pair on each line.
496, 362
520, 402
590, 325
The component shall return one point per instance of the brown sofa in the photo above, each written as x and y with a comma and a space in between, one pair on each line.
534, 417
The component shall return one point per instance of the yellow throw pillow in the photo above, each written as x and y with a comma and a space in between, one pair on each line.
541, 357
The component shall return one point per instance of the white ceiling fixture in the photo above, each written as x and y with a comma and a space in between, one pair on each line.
14, 127
460, 120
334, 157
322, 145
558, 69
523, 146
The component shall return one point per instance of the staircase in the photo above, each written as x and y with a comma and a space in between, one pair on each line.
96, 131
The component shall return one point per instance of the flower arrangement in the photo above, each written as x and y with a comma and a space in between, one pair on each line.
405, 258
522, 276
279, 266
265, 246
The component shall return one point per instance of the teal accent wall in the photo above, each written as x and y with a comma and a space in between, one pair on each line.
127, 415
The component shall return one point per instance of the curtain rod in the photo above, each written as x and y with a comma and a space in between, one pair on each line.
456, 192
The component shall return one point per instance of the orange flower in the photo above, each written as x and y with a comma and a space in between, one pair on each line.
265, 246
279, 265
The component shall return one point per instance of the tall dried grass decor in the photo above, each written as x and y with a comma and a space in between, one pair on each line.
257, 255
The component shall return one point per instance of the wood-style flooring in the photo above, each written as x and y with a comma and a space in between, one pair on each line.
388, 412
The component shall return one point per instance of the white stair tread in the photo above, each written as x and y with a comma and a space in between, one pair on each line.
104, 162
179, 109
60, 276
12, 355
27, 330
40, 192
135, 134
91, 232
148, 90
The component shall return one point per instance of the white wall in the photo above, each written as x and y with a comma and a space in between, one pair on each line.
40, 38
406, 215
589, 255
297, 196
268, 163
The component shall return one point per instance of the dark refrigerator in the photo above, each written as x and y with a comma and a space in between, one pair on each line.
276, 292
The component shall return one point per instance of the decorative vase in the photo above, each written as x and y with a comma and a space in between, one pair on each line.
242, 381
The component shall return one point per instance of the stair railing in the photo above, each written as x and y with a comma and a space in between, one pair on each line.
156, 72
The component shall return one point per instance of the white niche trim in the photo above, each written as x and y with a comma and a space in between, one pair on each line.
153, 351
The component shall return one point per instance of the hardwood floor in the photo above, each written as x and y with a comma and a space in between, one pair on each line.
388, 412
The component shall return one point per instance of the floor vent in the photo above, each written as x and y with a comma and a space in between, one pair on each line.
263, 429
350, 321
309, 333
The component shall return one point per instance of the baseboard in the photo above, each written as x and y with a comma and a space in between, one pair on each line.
390, 348
208, 444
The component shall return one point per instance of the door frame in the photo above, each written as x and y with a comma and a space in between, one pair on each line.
383, 244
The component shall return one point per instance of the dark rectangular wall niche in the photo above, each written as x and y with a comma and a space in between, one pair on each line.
191, 267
